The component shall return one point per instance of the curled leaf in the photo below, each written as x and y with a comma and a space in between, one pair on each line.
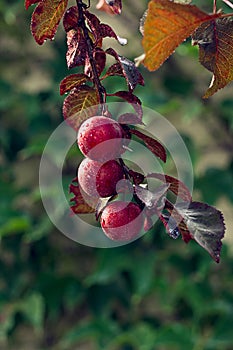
133, 100
215, 41
45, 19
79, 105
154, 146
167, 25
129, 70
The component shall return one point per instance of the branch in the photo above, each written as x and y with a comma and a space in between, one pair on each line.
96, 79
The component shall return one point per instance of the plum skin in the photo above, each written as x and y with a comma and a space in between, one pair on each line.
122, 221
100, 138
99, 179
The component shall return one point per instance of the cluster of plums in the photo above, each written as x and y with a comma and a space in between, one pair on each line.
102, 140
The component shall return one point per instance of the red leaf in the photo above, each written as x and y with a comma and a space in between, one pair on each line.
132, 99
72, 81
114, 69
176, 186
106, 31
154, 146
45, 19
81, 104
130, 118
100, 61
138, 178
93, 22
129, 70
167, 25
77, 50
28, 3
215, 42
70, 20
81, 205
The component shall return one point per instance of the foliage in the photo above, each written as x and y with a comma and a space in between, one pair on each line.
155, 292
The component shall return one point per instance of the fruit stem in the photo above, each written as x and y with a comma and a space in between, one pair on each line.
101, 90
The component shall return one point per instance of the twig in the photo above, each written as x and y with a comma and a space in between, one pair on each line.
96, 79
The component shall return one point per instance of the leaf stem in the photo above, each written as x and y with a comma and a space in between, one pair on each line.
224, 15
215, 6
101, 91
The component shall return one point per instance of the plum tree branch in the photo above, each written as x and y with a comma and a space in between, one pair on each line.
96, 79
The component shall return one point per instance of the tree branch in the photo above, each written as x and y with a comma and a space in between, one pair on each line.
96, 79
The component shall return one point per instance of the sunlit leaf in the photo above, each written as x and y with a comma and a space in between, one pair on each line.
72, 81
176, 186
166, 26
45, 19
153, 145
215, 41
206, 225
79, 105
77, 50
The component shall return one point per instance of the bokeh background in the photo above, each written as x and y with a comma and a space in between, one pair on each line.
155, 293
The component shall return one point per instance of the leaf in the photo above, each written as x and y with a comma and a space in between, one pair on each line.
129, 70
81, 205
70, 19
81, 104
72, 81
100, 61
215, 41
114, 69
130, 118
153, 145
167, 25
176, 186
206, 225
28, 3
45, 19
171, 226
77, 50
150, 199
106, 31
137, 177
132, 99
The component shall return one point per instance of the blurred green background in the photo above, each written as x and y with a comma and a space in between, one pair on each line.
155, 293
